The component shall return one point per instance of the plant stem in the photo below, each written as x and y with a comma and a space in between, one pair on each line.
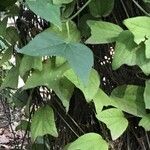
145, 12
80, 10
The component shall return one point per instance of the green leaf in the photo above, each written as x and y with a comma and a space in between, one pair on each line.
11, 79
128, 52
48, 43
146, 1
109, 31
4, 4
28, 63
87, 142
46, 10
145, 122
43, 123
147, 94
23, 125
59, 2
12, 35
129, 99
114, 120
83, 26
3, 25
140, 28
100, 100
124, 50
53, 79
68, 9
7, 55
73, 35
99, 8
20, 98
90, 89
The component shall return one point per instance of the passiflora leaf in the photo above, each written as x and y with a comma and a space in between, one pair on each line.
95, 141
147, 94
90, 89
28, 63
47, 10
124, 50
114, 120
109, 31
48, 43
129, 99
53, 79
145, 122
59, 2
99, 8
43, 123
140, 28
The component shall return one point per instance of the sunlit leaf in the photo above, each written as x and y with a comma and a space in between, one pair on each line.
147, 94
53, 79
90, 89
28, 63
109, 31
114, 120
140, 27
87, 142
145, 122
43, 123
124, 50
129, 99
100, 100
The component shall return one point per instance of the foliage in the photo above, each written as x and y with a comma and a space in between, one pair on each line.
59, 59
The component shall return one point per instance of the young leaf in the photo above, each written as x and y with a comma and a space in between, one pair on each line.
88, 141
46, 10
47, 43
124, 50
43, 123
129, 99
53, 79
90, 89
28, 63
140, 27
114, 120
145, 122
109, 31
147, 94
99, 8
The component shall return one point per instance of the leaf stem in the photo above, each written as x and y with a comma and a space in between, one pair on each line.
80, 10
68, 30
145, 12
